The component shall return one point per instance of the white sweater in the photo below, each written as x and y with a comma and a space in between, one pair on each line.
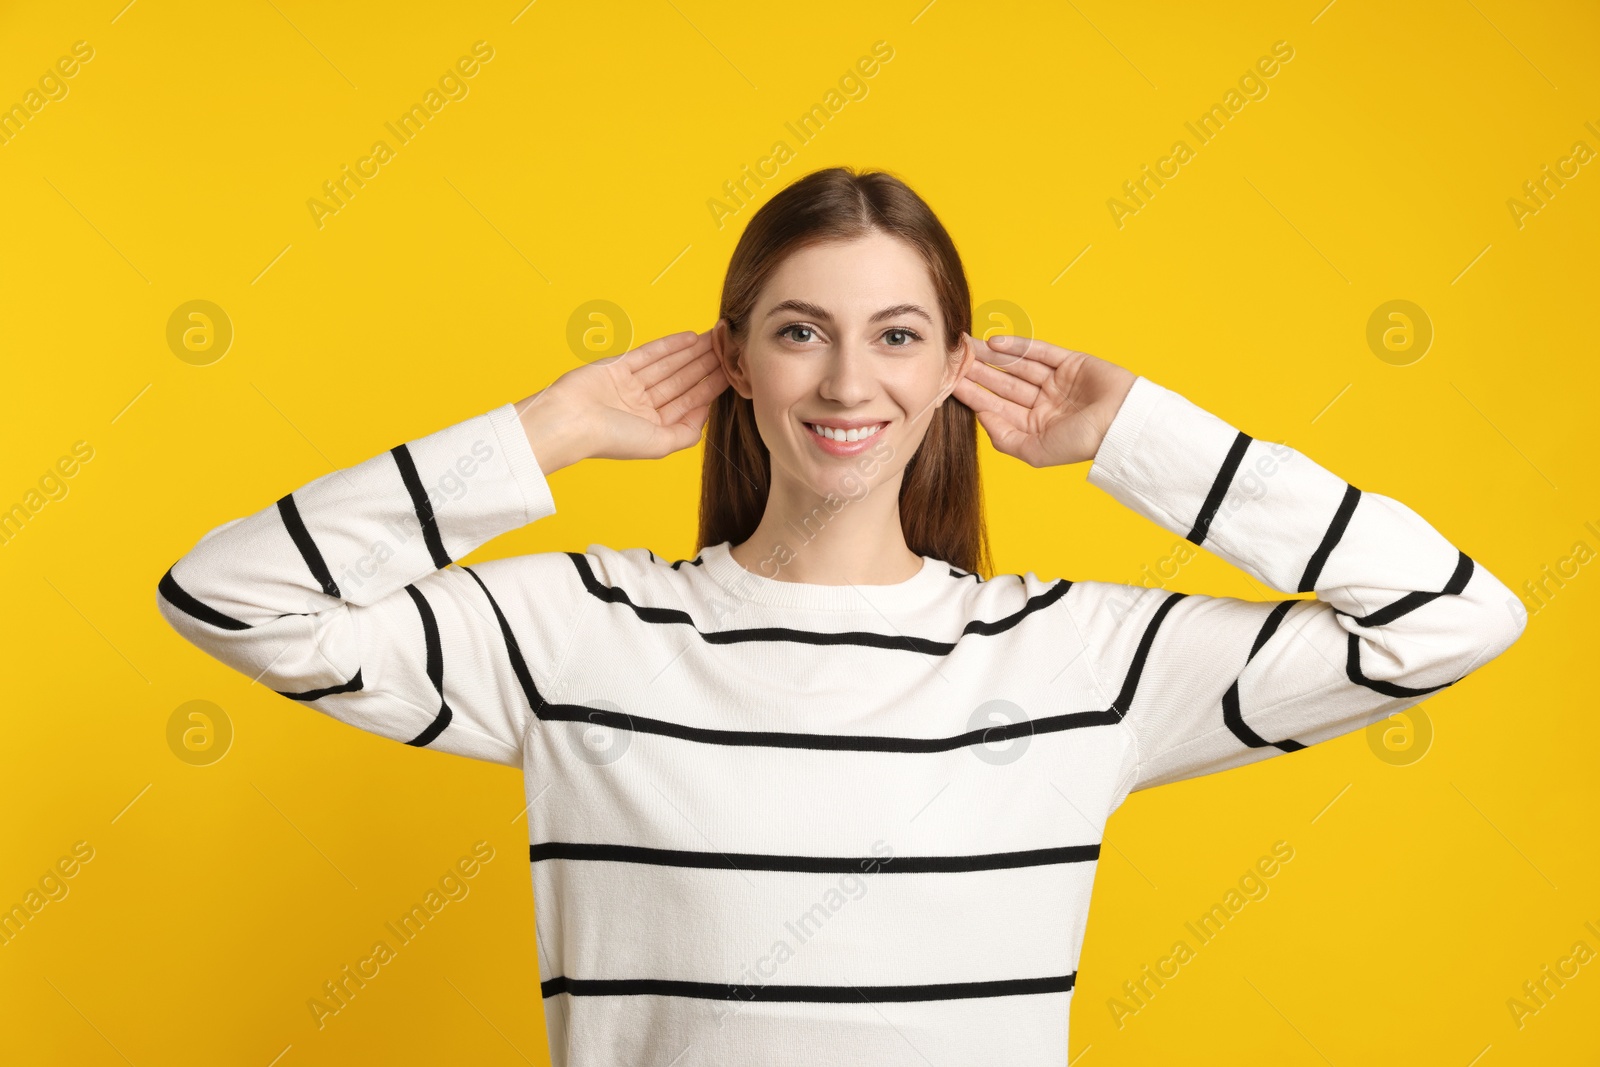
784, 823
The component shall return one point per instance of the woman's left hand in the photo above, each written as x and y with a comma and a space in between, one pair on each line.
1041, 403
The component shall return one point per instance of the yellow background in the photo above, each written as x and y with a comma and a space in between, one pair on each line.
580, 167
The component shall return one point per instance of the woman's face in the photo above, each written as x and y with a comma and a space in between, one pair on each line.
846, 334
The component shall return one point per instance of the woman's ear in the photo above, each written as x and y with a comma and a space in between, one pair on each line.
958, 362
731, 355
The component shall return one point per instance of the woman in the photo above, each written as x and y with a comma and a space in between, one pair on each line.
826, 792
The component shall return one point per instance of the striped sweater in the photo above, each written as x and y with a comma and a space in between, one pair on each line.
774, 822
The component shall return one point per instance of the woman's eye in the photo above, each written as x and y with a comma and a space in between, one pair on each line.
802, 334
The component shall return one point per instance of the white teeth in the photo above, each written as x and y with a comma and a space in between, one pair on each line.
845, 435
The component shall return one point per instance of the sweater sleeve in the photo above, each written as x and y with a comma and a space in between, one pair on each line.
342, 594
1207, 683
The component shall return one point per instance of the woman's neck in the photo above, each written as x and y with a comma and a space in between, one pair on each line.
831, 540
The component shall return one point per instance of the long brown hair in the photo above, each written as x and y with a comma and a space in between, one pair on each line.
941, 501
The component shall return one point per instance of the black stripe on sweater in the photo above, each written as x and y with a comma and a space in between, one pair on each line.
873, 743
1352, 666
1219, 488
812, 994
1231, 713
826, 742
352, 686
423, 506
430, 637
1408, 603
1330, 538
819, 742
309, 552
867, 639
753, 861
547, 712
180, 599
1130, 682
1412, 601
513, 651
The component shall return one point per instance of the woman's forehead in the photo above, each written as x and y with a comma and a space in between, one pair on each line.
850, 281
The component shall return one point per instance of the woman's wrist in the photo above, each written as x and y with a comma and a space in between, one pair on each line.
556, 438
1111, 407
1117, 395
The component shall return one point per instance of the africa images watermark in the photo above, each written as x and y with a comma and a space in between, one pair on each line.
52, 886
52, 87
451, 486
1251, 886
1552, 979
52, 487
1252, 86
810, 526
856, 483
452, 86
1541, 190
804, 927
736, 192
452, 886
1248, 486
1536, 594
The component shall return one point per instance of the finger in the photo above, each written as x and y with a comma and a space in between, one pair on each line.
663, 367
699, 393
980, 399
649, 370
1005, 383
1006, 437
695, 419
1030, 348
1030, 370
686, 433
683, 379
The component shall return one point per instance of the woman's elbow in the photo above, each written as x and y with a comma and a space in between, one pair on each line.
1498, 617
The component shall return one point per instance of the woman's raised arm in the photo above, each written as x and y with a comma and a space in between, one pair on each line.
1205, 683
342, 594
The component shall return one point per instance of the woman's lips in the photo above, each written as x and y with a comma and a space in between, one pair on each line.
835, 447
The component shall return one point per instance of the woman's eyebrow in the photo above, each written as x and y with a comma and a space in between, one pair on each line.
805, 307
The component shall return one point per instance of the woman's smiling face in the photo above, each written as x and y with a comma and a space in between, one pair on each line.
847, 335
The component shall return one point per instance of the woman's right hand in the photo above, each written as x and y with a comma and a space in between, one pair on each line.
647, 403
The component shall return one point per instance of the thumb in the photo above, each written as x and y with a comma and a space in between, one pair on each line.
994, 428
1005, 437
685, 433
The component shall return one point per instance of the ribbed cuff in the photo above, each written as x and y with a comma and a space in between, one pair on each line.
524, 465
1122, 436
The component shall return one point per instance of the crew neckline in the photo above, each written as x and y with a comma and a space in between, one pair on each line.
918, 590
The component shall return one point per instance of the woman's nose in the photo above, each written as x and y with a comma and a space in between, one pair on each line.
848, 374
